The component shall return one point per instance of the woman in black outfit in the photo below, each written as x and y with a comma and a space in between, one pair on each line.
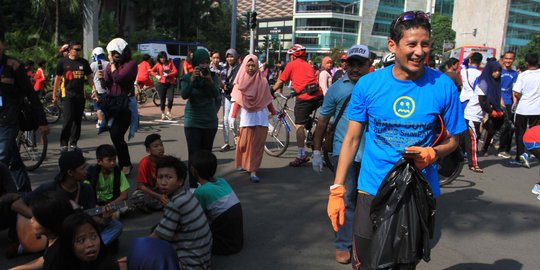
119, 77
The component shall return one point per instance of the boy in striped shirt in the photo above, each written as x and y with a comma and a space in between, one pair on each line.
184, 224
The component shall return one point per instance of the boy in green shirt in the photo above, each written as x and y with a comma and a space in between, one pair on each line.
107, 178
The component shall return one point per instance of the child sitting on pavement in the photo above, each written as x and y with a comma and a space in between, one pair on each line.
107, 179
184, 224
220, 204
146, 178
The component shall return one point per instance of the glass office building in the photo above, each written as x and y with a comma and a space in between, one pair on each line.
523, 23
321, 25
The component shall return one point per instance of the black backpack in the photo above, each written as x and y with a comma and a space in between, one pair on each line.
92, 175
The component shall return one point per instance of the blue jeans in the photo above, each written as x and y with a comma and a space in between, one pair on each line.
9, 155
111, 231
343, 239
227, 107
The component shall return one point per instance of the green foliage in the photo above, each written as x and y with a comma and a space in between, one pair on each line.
441, 31
335, 54
532, 47
44, 51
215, 31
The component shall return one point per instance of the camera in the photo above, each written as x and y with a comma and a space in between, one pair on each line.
205, 71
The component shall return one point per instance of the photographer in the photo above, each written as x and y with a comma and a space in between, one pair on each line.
200, 88
165, 72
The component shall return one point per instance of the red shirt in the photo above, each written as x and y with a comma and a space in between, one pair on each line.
142, 71
39, 79
301, 73
147, 172
169, 69
532, 135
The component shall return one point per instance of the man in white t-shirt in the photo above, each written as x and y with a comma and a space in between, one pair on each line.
468, 77
99, 64
527, 97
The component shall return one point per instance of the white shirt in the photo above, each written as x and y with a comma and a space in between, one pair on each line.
94, 68
252, 119
468, 77
528, 85
473, 111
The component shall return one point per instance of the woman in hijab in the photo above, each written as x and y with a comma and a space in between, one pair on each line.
200, 88
488, 91
229, 74
253, 99
325, 76
119, 77
489, 83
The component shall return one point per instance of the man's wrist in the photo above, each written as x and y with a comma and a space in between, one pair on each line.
334, 186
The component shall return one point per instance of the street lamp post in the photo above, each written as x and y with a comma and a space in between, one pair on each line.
343, 16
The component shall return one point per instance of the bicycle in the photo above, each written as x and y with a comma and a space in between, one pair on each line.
32, 147
142, 95
279, 129
52, 111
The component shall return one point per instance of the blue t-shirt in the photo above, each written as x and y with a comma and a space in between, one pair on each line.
401, 114
508, 78
333, 102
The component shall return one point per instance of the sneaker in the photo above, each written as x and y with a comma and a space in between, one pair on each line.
63, 148
169, 116
162, 116
98, 124
525, 160
504, 154
254, 179
298, 161
516, 162
73, 147
536, 189
343, 256
226, 147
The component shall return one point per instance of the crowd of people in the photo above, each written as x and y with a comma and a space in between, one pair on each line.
381, 116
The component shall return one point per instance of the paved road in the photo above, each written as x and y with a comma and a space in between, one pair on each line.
484, 221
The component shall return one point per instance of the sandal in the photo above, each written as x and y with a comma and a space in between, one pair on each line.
476, 169
298, 161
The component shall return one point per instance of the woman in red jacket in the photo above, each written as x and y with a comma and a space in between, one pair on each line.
39, 78
165, 72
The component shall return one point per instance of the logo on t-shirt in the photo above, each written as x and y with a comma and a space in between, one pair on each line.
404, 106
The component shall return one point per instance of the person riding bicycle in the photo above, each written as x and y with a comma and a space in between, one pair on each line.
309, 95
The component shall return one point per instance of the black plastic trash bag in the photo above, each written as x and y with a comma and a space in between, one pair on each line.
403, 215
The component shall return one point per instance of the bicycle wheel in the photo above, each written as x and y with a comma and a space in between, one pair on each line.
142, 98
52, 112
278, 138
32, 148
155, 98
450, 167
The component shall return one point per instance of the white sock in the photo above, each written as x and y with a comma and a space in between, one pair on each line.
253, 174
301, 152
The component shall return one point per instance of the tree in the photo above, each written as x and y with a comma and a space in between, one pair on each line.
39, 5
532, 47
441, 32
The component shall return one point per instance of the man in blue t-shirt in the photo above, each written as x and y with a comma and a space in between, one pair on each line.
399, 106
358, 64
508, 78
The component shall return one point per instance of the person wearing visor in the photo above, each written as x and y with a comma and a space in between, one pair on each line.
395, 109
334, 105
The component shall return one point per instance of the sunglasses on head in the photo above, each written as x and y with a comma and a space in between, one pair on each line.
411, 15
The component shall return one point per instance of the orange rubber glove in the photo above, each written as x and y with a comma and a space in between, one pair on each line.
336, 206
496, 114
423, 159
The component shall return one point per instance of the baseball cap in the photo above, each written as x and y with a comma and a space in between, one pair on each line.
358, 51
71, 160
